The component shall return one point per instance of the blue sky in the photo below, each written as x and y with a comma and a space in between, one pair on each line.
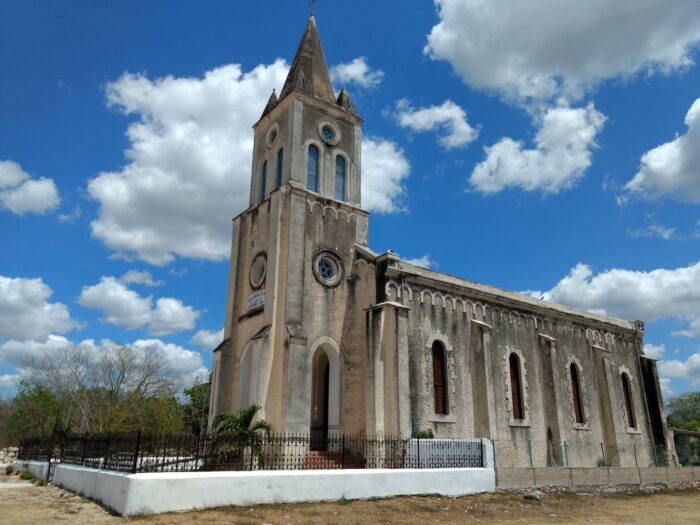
547, 146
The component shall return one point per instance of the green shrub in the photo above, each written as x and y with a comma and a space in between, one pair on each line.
26, 475
423, 434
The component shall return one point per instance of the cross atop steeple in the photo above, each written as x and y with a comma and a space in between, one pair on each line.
309, 71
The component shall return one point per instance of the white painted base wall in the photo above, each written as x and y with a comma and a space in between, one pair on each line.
38, 468
129, 494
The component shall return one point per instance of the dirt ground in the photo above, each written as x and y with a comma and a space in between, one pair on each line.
24, 503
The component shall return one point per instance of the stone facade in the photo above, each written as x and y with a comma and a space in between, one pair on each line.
328, 336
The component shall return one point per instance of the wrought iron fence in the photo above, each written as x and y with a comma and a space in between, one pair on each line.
138, 452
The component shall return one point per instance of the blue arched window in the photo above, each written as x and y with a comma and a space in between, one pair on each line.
312, 169
280, 162
340, 178
263, 182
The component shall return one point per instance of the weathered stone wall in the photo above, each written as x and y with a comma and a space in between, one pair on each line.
547, 345
7, 455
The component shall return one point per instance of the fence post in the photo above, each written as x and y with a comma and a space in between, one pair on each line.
634, 448
418, 440
342, 461
136, 451
50, 453
251, 452
82, 454
106, 455
566, 453
602, 450
529, 450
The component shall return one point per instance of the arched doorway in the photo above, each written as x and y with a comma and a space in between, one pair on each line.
319, 401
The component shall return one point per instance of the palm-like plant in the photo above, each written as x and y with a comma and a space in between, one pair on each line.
234, 433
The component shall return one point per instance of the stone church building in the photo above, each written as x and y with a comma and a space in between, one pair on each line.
329, 336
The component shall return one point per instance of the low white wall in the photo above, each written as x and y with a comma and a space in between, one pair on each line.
38, 468
155, 493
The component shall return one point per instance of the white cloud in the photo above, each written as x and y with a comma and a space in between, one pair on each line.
629, 294
671, 169
665, 384
356, 72
425, 261
26, 314
676, 369
190, 153
139, 277
21, 194
126, 308
8, 384
694, 330
448, 116
654, 230
542, 49
563, 151
186, 365
208, 338
384, 168
654, 351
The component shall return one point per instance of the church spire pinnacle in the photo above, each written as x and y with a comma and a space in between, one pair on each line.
309, 71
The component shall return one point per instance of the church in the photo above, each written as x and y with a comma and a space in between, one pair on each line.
331, 337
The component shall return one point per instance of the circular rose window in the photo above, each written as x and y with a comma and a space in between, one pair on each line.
328, 268
258, 270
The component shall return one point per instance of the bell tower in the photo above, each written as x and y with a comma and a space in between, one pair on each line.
291, 299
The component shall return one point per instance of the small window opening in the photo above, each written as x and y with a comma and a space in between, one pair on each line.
280, 164
312, 169
439, 378
516, 386
627, 391
263, 182
340, 178
576, 392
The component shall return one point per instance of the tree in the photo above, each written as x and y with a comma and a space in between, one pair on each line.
234, 433
116, 389
196, 411
684, 411
33, 411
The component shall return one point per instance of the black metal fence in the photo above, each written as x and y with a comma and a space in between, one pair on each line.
138, 452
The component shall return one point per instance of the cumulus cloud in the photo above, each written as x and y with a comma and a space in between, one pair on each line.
384, 169
448, 117
187, 365
629, 294
654, 230
425, 261
208, 338
562, 154
190, 153
671, 169
124, 307
654, 351
26, 313
139, 277
356, 72
542, 49
692, 331
676, 369
21, 194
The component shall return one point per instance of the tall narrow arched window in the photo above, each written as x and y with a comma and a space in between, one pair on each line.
439, 378
263, 182
340, 178
629, 407
280, 165
516, 386
312, 169
576, 393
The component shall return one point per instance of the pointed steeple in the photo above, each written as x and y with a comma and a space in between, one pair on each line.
271, 103
309, 71
345, 102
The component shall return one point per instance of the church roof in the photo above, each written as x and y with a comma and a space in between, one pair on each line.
309, 71
271, 103
345, 102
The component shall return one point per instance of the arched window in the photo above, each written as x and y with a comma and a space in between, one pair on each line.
280, 164
576, 393
627, 391
263, 182
312, 169
340, 178
516, 387
439, 378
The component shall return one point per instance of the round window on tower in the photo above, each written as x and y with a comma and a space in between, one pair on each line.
328, 268
272, 134
258, 270
328, 133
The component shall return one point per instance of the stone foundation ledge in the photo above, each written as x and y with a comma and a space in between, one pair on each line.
528, 477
